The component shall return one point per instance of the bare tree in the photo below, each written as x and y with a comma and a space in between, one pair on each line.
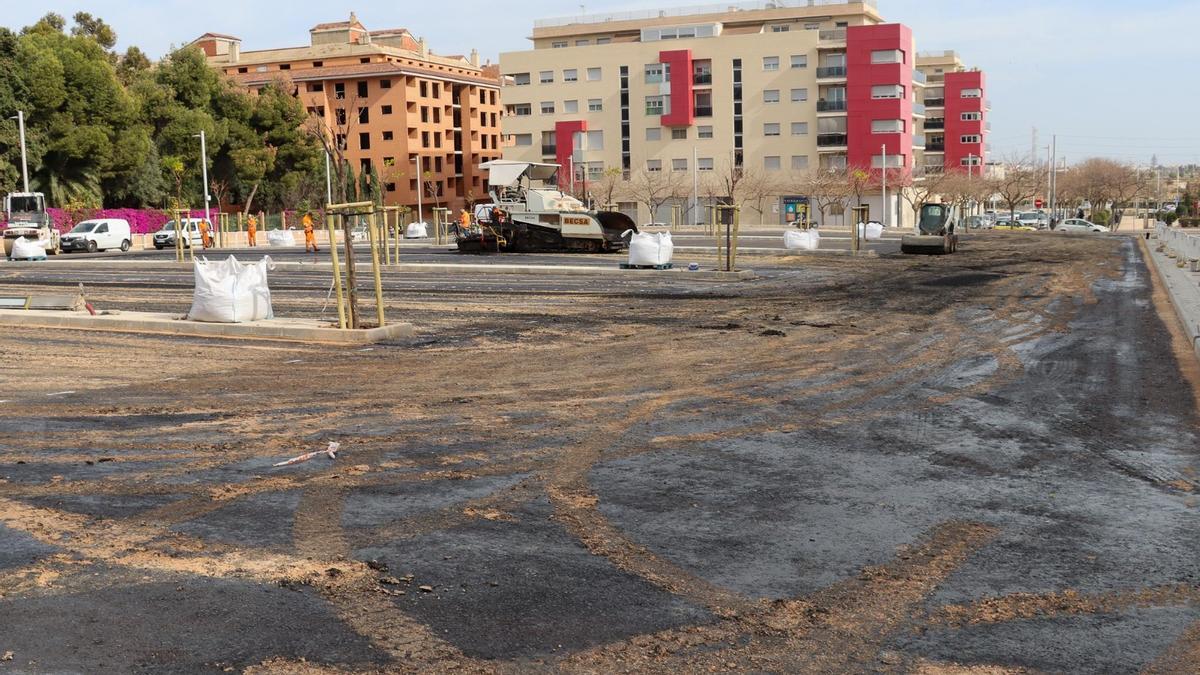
825, 188
653, 189
920, 190
332, 129
755, 187
1015, 185
607, 187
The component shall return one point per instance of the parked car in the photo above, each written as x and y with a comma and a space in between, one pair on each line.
165, 237
98, 235
978, 223
1032, 220
1080, 225
1006, 224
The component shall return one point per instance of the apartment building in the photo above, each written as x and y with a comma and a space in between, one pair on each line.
389, 101
956, 126
754, 86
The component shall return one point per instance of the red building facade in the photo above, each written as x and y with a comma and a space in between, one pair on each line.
879, 94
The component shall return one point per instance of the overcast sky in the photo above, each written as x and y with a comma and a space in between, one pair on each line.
1109, 78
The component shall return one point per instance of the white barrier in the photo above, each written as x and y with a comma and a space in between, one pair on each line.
1184, 244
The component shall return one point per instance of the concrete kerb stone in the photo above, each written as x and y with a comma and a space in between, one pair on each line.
832, 253
418, 268
290, 330
1183, 290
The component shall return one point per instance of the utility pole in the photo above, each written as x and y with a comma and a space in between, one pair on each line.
1053, 175
20, 118
1033, 148
883, 180
204, 174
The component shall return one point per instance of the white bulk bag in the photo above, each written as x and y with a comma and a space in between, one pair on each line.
417, 231
795, 240
280, 238
231, 292
25, 248
870, 231
647, 248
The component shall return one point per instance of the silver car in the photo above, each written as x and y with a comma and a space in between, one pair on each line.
1080, 225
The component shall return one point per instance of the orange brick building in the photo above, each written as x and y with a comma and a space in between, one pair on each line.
390, 102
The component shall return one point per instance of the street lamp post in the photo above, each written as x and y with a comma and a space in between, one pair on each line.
20, 118
204, 173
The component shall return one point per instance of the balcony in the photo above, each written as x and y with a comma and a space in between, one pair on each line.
702, 79
831, 106
549, 150
830, 72
937, 146
935, 103
919, 77
918, 110
831, 140
834, 35
935, 124
704, 112
918, 140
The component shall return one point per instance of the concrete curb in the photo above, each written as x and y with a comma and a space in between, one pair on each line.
291, 330
415, 268
1181, 287
831, 253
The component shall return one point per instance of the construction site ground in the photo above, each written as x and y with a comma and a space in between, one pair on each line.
979, 463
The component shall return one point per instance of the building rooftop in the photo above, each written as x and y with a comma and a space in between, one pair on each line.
695, 10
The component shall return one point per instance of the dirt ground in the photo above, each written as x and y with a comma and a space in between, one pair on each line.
981, 463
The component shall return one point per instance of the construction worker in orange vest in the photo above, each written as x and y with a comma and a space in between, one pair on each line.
251, 230
205, 237
464, 221
310, 239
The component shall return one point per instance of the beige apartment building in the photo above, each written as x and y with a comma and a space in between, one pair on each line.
391, 103
773, 90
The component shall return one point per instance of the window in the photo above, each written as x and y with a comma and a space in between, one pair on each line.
679, 134
595, 105
594, 140
704, 132
362, 89
770, 96
387, 135
887, 56
570, 107
558, 44
340, 116
390, 187
654, 134
522, 139
424, 88
971, 161
285, 66
971, 116
657, 72
972, 93
654, 165
799, 162
887, 91
546, 76
520, 79
799, 60
520, 109
260, 69
547, 107
385, 84
318, 64
570, 75
771, 163
385, 110
780, 28
771, 129
316, 86
704, 164
679, 165
340, 139
812, 25
339, 90
364, 141
581, 43
799, 95
887, 126
770, 63
603, 41
971, 138
893, 162
593, 74
799, 128
658, 105
364, 59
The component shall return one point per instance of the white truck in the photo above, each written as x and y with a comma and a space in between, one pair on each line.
25, 216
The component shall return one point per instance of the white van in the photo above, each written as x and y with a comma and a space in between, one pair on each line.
100, 234
165, 238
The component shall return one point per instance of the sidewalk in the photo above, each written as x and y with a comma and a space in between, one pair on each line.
1182, 285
